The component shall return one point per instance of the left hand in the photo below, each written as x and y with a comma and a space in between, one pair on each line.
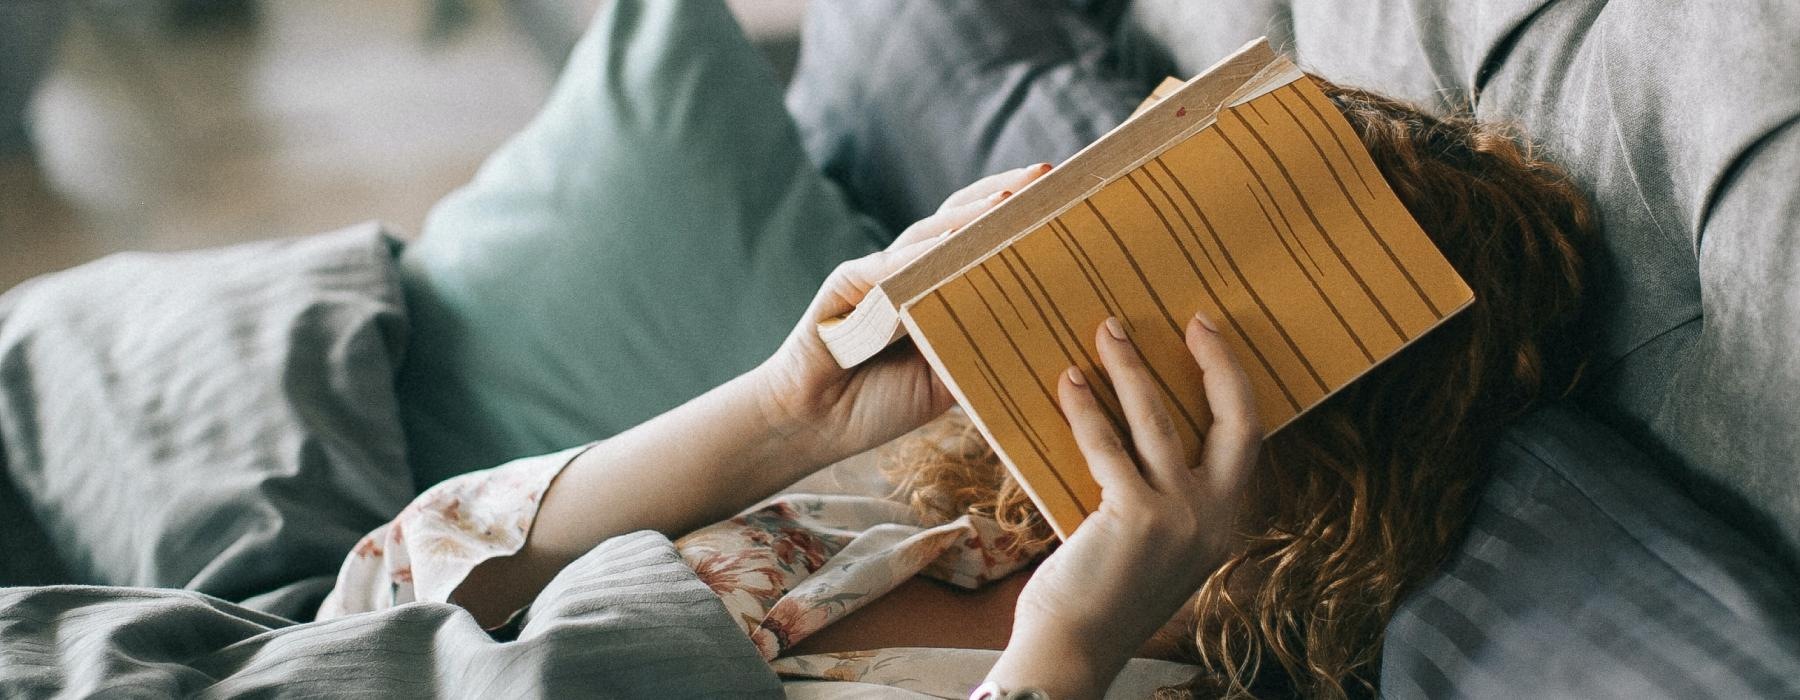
852, 410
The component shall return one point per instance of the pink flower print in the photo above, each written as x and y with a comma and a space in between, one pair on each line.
801, 550
790, 622
766, 644
925, 550
451, 510
368, 547
843, 672
727, 573
718, 572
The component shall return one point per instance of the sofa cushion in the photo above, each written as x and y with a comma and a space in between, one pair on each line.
220, 420
1581, 577
1682, 122
952, 102
656, 230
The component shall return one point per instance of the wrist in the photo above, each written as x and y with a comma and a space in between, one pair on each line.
786, 415
1062, 665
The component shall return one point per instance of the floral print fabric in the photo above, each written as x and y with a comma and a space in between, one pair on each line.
426, 551
789, 568
784, 569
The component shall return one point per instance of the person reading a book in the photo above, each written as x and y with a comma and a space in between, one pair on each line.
1262, 566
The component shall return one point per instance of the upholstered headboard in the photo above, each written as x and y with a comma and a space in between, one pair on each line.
1682, 121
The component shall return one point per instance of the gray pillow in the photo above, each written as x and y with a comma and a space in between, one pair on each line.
222, 420
904, 101
1583, 575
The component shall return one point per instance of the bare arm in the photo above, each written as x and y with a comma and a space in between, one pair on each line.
697, 464
743, 441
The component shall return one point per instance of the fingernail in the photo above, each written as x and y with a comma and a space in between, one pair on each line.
1206, 322
1044, 168
1076, 378
1115, 328
1003, 195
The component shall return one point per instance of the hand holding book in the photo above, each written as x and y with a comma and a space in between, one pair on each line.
1244, 193
1166, 519
850, 410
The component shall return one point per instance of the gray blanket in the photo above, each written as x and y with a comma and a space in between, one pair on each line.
629, 619
200, 438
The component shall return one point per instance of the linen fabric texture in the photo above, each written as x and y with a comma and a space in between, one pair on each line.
222, 421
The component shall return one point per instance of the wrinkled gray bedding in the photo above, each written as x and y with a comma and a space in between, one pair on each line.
629, 619
224, 422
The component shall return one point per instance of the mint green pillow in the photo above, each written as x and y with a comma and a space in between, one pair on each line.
655, 231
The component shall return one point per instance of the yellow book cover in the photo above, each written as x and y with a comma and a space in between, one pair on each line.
1243, 193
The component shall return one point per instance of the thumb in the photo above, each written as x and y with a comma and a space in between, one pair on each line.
853, 279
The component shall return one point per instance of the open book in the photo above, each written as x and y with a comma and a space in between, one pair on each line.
1243, 193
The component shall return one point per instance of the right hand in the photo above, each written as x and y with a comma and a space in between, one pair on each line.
1167, 519
894, 392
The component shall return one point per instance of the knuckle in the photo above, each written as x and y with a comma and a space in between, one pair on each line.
849, 267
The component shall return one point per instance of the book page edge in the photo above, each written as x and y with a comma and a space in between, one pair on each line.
928, 259
1278, 73
849, 338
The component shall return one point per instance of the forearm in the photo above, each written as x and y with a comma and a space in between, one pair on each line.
697, 464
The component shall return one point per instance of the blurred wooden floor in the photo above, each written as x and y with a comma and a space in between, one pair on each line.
322, 114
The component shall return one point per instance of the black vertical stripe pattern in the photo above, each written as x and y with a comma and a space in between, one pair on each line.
1231, 262
1205, 283
1314, 218
1088, 269
1118, 422
1174, 326
1187, 224
1354, 206
1102, 291
1312, 280
1342, 147
1232, 319
1006, 295
1011, 405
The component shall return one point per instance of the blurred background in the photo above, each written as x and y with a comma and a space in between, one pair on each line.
177, 124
